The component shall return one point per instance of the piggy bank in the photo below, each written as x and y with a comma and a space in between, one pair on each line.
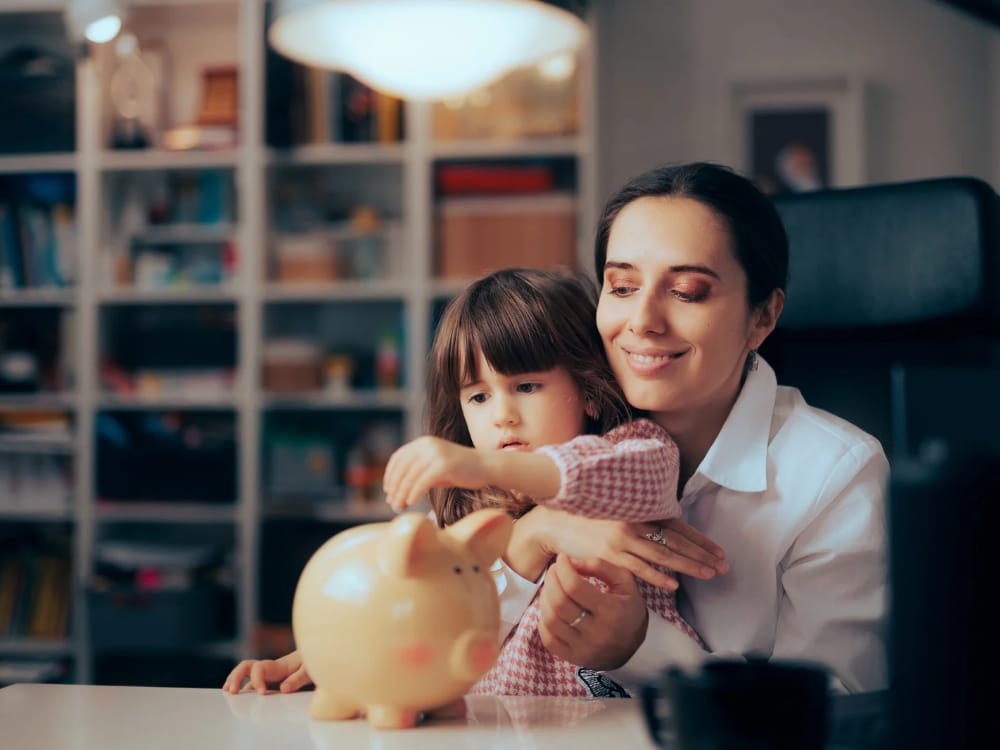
397, 619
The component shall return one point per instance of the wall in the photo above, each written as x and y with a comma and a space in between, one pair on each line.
666, 68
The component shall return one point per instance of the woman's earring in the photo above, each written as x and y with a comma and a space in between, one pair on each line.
752, 361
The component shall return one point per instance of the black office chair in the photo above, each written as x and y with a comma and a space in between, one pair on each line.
891, 285
893, 322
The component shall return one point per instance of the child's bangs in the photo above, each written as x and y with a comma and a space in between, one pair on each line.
513, 337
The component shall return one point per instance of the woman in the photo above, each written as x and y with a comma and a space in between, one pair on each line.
693, 261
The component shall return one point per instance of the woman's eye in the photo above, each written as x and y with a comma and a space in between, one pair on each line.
696, 295
528, 387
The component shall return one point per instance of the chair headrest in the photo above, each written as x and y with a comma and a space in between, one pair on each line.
892, 254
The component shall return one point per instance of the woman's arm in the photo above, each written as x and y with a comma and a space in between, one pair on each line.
834, 579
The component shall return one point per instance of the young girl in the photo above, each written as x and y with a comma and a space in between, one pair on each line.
524, 409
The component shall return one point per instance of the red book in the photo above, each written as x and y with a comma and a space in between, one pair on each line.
463, 179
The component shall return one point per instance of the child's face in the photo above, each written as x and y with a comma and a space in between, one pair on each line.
522, 412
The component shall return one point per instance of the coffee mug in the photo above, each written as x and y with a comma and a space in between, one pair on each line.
739, 705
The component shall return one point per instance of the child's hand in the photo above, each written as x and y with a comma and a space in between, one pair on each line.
431, 462
287, 672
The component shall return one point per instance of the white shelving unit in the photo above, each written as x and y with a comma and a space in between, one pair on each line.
254, 297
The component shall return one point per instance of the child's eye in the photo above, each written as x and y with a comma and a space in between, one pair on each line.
477, 398
528, 387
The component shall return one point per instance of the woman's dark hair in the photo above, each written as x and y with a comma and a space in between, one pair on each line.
758, 236
522, 320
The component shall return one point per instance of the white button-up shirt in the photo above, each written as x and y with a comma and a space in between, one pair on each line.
796, 497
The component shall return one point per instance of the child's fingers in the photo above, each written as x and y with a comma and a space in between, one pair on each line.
235, 679
412, 485
258, 677
296, 681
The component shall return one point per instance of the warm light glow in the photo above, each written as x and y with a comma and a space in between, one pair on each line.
103, 29
557, 69
424, 49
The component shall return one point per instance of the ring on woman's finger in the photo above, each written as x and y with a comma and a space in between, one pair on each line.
579, 618
657, 536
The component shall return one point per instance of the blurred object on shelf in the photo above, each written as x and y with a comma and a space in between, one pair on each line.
365, 463
338, 371
34, 482
387, 363
19, 372
171, 456
25, 423
494, 178
216, 125
135, 89
307, 258
182, 265
366, 246
527, 103
219, 96
199, 137
26, 670
38, 240
188, 383
35, 584
192, 338
301, 465
292, 366
148, 595
31, 350
38, 91
480, 234
270, 640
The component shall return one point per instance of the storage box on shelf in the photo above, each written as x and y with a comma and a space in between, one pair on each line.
190, 249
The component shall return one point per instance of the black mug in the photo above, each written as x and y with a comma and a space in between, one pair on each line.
739, 705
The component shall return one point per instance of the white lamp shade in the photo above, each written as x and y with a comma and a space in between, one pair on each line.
424, 49
97, 21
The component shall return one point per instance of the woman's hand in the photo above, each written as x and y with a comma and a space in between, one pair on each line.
431, 462
685, 550
287, 672
584, 625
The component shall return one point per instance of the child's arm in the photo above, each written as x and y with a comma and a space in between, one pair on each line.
432, 462
630, 474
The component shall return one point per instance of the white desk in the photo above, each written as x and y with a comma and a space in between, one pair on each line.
70, 717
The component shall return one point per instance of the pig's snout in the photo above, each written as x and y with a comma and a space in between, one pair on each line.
473, 653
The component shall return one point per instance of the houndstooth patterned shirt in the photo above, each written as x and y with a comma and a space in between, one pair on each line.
629, 474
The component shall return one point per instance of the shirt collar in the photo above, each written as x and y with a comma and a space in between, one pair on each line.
737, 459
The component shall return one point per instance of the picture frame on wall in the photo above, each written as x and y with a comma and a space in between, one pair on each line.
797, 135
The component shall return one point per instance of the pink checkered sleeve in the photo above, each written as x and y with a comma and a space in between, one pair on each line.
629, 474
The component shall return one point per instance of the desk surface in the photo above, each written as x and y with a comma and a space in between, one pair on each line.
67, 717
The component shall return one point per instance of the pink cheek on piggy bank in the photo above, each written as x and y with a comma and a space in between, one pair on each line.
417, 656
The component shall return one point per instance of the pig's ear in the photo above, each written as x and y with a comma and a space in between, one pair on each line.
408, 545
484, 534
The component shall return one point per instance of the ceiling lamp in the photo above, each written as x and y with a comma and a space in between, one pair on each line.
97, 21
424, 49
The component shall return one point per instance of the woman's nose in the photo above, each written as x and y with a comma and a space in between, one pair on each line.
646, 315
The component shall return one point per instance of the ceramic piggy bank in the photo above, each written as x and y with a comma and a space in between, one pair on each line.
397, 619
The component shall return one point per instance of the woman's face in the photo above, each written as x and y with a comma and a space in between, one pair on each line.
673, 310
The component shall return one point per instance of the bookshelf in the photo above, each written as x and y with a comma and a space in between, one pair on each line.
271, 335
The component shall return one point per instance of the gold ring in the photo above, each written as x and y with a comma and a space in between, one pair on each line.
579, 618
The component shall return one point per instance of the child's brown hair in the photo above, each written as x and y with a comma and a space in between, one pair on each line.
522, 320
